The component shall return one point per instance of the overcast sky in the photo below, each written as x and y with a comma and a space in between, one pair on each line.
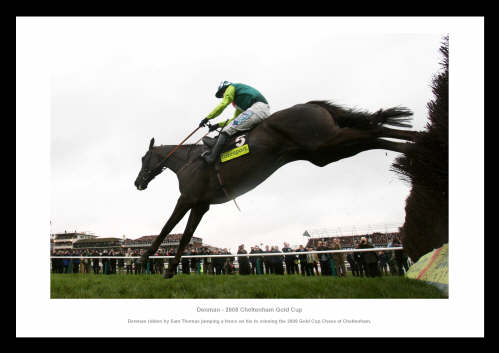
117, 82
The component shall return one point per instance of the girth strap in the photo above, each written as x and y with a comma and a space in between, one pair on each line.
222, 186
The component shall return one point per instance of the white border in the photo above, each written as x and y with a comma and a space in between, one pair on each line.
461, 315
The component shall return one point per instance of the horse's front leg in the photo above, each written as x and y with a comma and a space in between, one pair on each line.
178, 213
197, 213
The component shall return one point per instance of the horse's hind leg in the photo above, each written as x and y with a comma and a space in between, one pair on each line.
197, 213
402, 147
178, 213
381, 144
334, 153
397, 134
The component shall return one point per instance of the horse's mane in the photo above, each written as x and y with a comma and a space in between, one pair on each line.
184, 145
362, 119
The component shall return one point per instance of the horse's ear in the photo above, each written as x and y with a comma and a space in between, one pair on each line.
151, 143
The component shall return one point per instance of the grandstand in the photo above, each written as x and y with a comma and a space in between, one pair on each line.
64, 241
171, 240
98, 243
378, 234
83, 240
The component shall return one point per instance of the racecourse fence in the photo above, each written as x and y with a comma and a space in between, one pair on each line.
233, 255
233, 258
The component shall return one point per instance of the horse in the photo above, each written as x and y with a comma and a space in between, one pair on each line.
317, 131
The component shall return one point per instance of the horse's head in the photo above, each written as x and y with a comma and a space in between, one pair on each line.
152, 165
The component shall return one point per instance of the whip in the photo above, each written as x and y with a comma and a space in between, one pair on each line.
181, 143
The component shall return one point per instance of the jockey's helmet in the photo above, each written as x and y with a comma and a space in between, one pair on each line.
221, 88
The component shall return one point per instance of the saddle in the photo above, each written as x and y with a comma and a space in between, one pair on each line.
234, 141
209, 141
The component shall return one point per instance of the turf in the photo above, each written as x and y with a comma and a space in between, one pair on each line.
236, 286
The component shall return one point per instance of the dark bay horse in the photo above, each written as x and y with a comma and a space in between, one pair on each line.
318, 131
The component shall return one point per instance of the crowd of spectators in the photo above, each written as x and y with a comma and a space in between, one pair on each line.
80, 264
377, 239
369, 264
105, 265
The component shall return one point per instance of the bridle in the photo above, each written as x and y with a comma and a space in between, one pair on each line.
153, 171
162, 165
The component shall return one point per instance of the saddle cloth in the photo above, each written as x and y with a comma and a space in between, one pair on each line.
234, 141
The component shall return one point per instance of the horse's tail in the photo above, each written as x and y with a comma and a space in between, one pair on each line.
346, 117
397, 116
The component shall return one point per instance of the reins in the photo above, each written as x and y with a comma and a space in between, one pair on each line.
181, 143
176, 148
163, 163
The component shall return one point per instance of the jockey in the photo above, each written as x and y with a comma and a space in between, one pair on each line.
251, 108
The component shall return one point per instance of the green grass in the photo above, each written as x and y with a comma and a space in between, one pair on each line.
235, 286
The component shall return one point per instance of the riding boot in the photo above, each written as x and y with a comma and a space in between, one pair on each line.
210, 158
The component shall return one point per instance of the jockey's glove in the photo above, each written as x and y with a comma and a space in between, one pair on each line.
213, 127
203, 122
